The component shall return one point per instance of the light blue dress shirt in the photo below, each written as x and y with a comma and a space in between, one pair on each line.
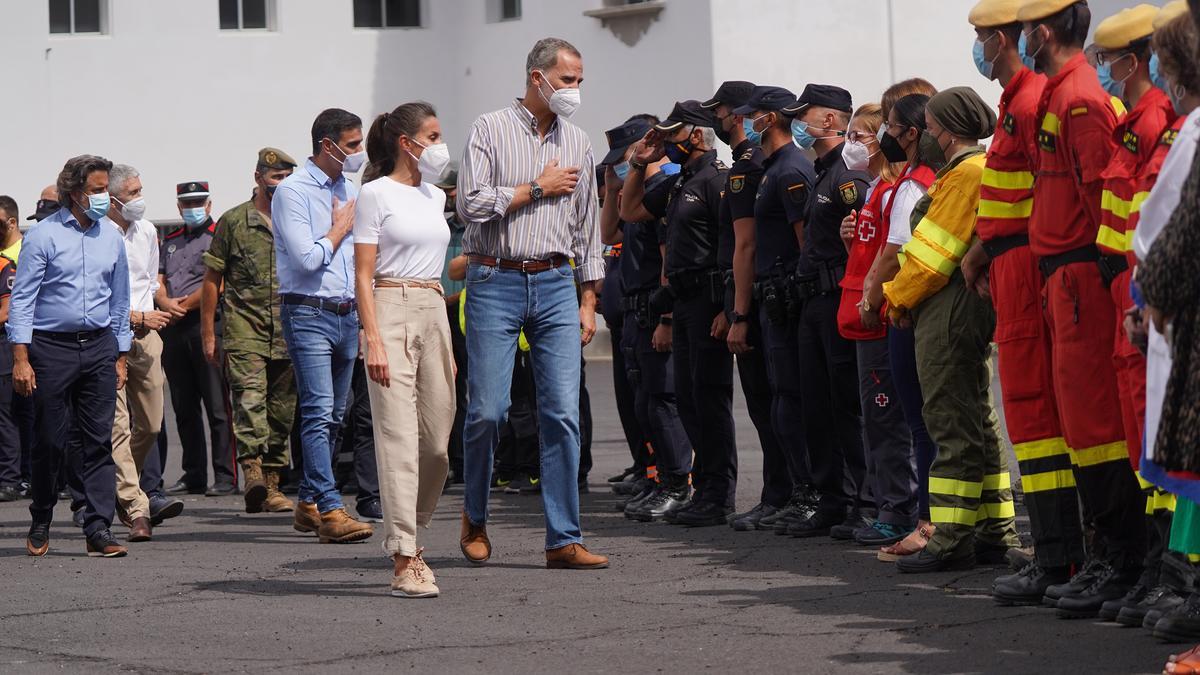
71, 280
301, 215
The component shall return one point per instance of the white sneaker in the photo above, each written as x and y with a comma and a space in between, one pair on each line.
416, 582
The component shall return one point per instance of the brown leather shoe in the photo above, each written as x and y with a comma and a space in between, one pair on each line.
474, 542
337, 527
256, 487
139, 530
276, 501
307, 518
38, 541
574, 557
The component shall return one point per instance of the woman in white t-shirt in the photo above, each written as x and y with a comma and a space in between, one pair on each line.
400, 240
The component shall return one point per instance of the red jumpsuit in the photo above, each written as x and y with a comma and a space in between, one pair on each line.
1075, 146
1136, 137
1022, 336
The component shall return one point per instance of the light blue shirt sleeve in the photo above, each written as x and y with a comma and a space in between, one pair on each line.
31, 269
118, 304
289, 210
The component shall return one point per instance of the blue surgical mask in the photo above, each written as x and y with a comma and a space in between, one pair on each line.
1113, 87
669, 169
753, 136
985, 67
800, 135
194, 216
1023, 49
1156, 75
621, 170
97, 206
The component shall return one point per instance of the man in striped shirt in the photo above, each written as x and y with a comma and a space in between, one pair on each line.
527, 193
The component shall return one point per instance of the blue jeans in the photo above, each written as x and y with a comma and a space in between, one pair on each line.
500, 303
323, 347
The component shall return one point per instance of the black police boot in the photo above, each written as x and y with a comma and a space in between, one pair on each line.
1077, 584
801, 506
630, 473
1159, 598
1028, 586
688, 504
645, 487
856, 520
817, 525
926, 561
1111, 609
1181, 624
704, 514
750, 520
635, 505
671, 497
1159, 609
1110, 584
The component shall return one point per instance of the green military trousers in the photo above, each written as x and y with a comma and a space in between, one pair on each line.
263, 392
970, 492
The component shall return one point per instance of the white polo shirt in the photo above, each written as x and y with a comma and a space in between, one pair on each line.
141, 251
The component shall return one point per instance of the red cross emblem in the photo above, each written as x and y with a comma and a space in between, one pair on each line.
881, 400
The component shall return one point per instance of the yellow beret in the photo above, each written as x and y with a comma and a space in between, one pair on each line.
993, 13
1032, 10
1126, 26
1169, 12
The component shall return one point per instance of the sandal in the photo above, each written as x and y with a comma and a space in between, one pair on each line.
914, 543
1187, 663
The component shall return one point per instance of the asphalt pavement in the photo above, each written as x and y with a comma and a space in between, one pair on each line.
219, 590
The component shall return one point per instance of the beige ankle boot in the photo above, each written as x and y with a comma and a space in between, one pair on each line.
276, 501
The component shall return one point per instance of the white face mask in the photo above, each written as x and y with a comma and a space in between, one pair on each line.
350, 163
563, 102
133, 209
433, 161
856, 155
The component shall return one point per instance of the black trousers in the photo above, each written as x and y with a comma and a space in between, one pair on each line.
756, 388
652, 376
76, 395
194, 383
829, 399
625, 393
357, 442
10, 435
782, 355
704, 390
518, 450
458, 343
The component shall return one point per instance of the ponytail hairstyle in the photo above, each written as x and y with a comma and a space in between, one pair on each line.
383, 139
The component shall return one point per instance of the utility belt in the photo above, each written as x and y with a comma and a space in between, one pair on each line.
707, 283
1111, 266
1001, 245
1050, 264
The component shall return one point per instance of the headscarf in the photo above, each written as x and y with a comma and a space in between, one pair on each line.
961, 112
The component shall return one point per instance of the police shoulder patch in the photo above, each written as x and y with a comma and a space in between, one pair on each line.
11, 278
849, 192
747, 155
736, 183
798, 193
1130, 141
1168, 137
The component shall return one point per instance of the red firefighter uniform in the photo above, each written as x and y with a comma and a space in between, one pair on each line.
1022, 337
1074, 147
1136, 137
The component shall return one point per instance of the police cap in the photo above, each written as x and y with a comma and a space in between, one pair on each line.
45, 209
767, 99
192, 189
822, 96
687, 112
620, 138
274, 158
731, 92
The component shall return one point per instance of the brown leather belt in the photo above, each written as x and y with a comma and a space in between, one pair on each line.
527, 266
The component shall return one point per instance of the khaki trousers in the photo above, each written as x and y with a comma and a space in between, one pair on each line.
412, 417
138, 421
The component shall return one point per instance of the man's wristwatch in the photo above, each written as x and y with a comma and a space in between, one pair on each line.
636, 165
735, 317
535, 191
664, 321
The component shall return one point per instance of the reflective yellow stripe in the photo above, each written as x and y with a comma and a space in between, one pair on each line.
1049, 447
1109, 452
1049, 480
1050, 124
1111, 239
939, 236
946, 514
990, 208
1193, 557
1135, 205
1007, 180
958, 488
997, 481
1160, 501
1142, 482
996, 510
1118, 105
1119, 207
928, 257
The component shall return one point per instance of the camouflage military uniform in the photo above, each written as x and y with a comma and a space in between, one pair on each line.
258, 369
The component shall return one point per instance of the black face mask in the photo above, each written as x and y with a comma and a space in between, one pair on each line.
890, 147
723, 134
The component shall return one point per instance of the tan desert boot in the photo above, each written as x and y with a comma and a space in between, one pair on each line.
474, 541
337, 527
574, 557
307, 518
256, 487
276, 501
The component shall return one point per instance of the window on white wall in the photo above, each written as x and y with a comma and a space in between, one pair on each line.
387, 13
503, 10
78, 17
246, 14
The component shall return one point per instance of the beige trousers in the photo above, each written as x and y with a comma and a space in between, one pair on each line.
412, 417
138, 421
